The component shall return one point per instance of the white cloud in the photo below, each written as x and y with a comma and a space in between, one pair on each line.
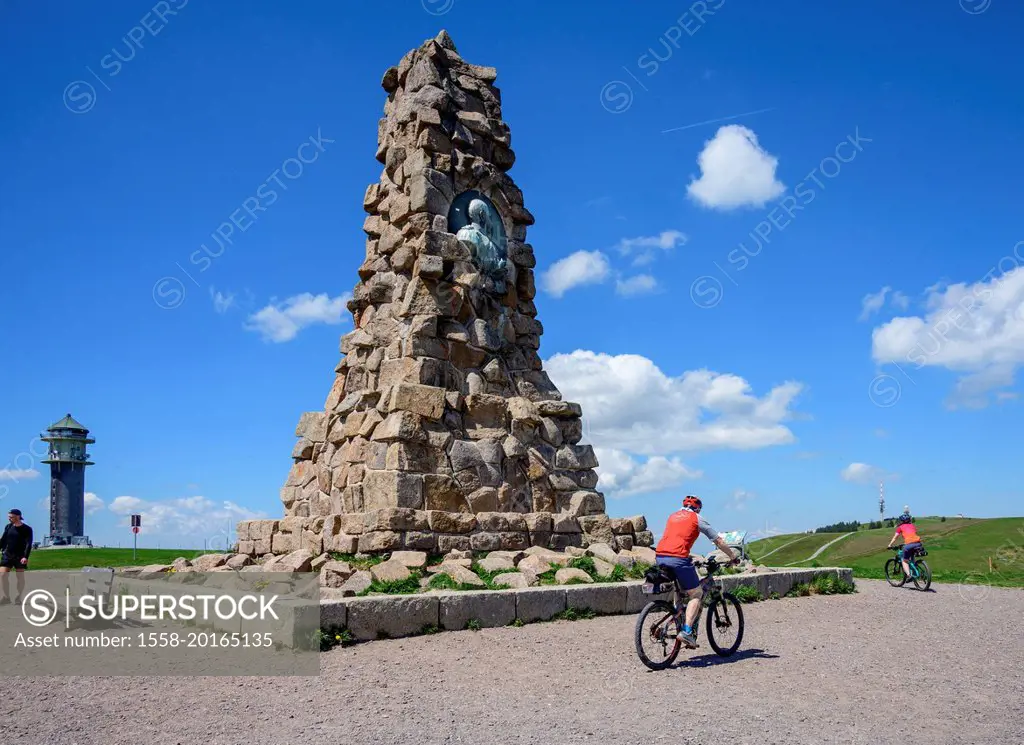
222, 303
621, 475
580, 268
638, 285
17, 474
93, 503
739, 499
862, 473
768, 532
125, 505
735, 171
873, 302
976, 330
631, 405
666, 240
193, 517
280, 322
639, 419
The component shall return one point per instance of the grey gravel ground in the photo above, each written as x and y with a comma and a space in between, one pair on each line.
880, 666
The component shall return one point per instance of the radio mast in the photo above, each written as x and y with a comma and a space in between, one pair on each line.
881, 500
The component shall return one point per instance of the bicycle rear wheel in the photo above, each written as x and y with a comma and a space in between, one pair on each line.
657, 635
894, 573
923, 580
725, 625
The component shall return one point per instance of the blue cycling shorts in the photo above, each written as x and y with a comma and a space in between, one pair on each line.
683, 570
909, 549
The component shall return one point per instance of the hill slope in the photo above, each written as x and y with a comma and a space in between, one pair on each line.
781, 550
958, 550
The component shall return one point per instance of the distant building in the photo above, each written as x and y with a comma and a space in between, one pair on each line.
68, 460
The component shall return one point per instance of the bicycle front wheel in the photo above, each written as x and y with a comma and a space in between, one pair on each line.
894, 573
657, 635
923, 580
725, 625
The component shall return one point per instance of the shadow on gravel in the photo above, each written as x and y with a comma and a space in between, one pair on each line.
709, 660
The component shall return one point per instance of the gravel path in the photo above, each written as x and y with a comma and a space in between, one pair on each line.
817, 553
878, 666
762, 558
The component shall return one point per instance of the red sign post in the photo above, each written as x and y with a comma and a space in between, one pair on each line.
136, 522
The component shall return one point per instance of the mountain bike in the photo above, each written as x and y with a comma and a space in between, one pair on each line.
660, 622
920, 572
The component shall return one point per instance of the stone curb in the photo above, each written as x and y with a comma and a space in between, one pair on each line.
488, 608
394, 616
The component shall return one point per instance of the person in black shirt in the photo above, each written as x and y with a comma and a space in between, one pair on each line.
15, 546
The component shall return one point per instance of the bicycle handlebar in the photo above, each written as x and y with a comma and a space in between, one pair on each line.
713, 563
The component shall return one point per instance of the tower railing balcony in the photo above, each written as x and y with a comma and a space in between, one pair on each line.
66, 434
67, 458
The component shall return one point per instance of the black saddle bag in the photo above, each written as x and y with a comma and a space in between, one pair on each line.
658, 579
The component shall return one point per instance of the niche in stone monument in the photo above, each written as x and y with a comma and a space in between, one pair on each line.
476, 222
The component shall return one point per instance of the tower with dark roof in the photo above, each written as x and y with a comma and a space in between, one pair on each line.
68, 460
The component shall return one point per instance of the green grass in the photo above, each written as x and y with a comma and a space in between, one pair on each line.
405, 586
586, 563
827, 584
487, 577
747, 594
575, 614
76, 558
548, 577
335, 636
442, 581
799, 590
637, 570
830, 584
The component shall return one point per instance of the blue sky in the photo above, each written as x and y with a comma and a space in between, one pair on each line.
108, 192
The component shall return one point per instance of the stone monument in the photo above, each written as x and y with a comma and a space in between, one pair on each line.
442, 431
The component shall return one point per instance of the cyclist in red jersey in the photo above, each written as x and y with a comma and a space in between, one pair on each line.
673, 552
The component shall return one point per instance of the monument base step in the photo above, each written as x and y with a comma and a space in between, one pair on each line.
437, 531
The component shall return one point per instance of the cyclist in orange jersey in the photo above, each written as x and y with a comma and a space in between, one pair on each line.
911, 540
673, 552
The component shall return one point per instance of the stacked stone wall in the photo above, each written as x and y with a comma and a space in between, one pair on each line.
435, 531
